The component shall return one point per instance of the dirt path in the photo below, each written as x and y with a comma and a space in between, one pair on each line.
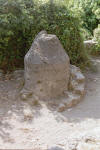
23, 126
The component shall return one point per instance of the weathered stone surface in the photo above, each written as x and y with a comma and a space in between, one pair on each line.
61, 107
18, 74
47, 68
49, 75
75, 91
77, 81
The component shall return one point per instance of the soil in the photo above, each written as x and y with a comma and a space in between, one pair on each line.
24, 125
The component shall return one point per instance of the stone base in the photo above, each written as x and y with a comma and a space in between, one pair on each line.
75, 93
76, 89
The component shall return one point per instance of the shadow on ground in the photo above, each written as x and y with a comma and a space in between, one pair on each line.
12, 108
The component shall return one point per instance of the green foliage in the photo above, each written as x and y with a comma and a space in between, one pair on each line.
90, 20
89, 13
97, 33
86, 34
21, 20
97, 38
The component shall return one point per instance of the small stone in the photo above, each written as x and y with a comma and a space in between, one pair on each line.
89, 44
80, 89
72, 100
9, 112
56, 148
69, 109
76, 74
76, 86
27, 114
79, 77
61, 108
24, 95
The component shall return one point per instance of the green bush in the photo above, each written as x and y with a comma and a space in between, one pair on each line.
86, 34
21, 20
89, 13
97, 38
97, 33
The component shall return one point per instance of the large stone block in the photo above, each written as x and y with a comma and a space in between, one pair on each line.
47, 68
48, 74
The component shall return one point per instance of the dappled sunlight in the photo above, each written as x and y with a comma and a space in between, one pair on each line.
29, 126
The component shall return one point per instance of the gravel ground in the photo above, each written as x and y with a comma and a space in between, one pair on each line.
25, 126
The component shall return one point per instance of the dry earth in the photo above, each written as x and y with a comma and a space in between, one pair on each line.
24, 126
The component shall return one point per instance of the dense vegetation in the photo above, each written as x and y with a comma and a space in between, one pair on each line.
89, 13
21, 20
97, 38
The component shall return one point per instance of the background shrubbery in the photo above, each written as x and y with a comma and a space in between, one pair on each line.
89, 13
97, 38
21, 20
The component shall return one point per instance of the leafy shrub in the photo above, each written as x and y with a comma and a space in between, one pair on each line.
21, 20
97, 33
89, 13
97, 38
86, 34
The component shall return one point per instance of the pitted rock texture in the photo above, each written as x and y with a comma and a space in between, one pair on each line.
47, 68
77, 81
76, 89
49, 75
